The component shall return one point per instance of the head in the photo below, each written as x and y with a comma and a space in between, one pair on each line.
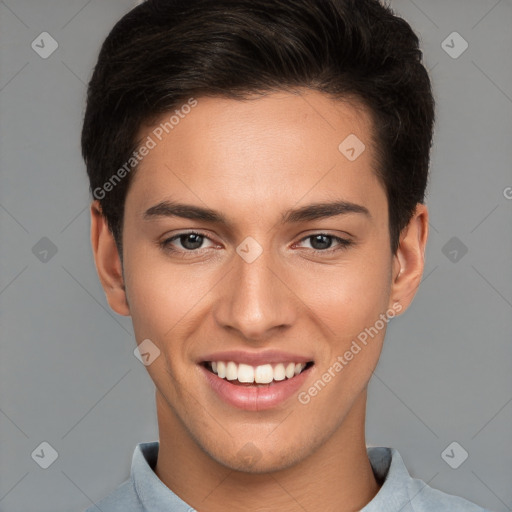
252, 111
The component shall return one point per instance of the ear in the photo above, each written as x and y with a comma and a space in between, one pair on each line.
409, 260
108, 262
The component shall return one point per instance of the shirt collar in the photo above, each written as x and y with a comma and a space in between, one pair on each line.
154, 495
388, 468
390, 471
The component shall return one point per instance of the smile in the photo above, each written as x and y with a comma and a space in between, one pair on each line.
263, 385
245, 374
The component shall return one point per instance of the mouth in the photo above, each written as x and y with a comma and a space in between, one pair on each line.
265, 384
263, 375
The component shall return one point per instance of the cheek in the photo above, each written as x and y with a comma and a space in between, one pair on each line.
348, 301
162, 301
160, 294
350, 297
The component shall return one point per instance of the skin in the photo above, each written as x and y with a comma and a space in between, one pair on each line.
251, 161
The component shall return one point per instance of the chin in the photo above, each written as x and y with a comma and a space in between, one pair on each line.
256, 458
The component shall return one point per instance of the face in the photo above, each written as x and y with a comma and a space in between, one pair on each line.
230, 267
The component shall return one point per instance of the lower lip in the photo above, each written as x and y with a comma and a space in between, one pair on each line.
255, 398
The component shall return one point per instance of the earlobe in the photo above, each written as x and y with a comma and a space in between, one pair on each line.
107, 261
409, 260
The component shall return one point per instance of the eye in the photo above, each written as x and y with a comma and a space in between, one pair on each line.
190, 241
322, 242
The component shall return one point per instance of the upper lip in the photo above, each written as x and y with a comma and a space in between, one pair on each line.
255, 358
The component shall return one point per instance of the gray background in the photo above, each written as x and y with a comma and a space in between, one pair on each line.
68, 373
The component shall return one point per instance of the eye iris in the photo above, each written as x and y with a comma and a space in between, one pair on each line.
323, 245
197, 241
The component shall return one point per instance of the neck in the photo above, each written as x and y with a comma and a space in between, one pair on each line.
336, 477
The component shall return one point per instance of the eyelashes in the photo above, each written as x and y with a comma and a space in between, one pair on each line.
198, 239
342, 242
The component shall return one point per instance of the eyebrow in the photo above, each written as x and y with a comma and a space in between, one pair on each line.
309, 212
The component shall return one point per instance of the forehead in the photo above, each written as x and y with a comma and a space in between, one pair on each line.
282, 148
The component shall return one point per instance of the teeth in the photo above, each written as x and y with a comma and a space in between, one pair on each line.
279, 373
263, 374
290, 370
221, 369
245, 373
231, 371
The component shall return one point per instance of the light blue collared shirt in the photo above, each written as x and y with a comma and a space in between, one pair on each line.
145, 492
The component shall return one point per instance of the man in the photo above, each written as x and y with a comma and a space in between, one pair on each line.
258, 169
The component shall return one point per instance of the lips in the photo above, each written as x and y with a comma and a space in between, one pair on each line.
255, 381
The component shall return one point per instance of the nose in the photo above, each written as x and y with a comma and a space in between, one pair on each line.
257, 300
